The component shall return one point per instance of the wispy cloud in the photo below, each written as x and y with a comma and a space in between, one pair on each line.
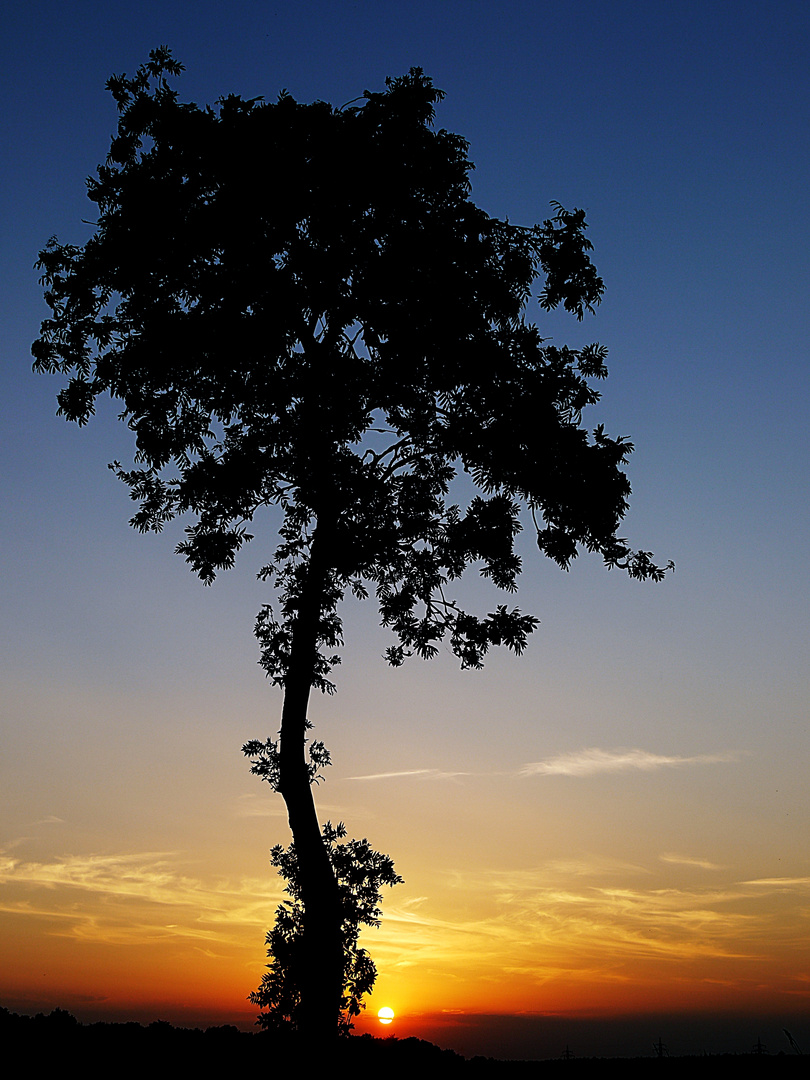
592, 760
585, 762
780, 882
132, 898
550, 925
145, 874
428, 774
264, 805
688, 860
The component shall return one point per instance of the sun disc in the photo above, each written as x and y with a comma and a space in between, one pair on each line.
385, 1015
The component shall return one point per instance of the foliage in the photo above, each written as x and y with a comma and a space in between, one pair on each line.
300, 306
265, 760
360, 872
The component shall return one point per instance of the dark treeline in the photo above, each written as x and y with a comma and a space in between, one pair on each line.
123, 1048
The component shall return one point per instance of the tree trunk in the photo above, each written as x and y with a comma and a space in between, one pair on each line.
321, 979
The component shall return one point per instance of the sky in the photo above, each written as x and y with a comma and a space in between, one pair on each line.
603, 841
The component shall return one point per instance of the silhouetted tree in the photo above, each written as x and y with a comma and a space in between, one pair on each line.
360, 873
299, 306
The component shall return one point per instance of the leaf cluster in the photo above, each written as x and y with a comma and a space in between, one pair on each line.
265, 760
360, 873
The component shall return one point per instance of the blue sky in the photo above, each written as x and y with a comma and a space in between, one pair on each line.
682, 129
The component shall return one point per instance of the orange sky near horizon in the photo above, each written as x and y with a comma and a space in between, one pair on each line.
540, 880
154, 935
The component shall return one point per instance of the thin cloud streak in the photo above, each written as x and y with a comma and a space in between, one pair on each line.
688, 860
587, 762
251, 805
780, 882
433, 774
593, 760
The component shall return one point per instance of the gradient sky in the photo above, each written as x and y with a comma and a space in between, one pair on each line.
599, 839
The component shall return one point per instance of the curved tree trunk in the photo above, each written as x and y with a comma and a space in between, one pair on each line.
321, 979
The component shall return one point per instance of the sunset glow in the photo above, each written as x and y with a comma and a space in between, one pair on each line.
610, 827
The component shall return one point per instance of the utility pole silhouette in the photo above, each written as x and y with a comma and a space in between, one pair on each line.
659, 1048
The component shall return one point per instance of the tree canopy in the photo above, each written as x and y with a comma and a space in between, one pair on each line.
300, 306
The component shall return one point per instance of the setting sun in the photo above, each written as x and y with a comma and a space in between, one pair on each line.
385, 1015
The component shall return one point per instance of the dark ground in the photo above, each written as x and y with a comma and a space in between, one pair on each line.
58, 1039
